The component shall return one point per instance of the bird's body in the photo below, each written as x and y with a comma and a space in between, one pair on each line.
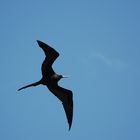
50, 79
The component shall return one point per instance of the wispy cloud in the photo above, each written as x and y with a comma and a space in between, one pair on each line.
113, 62
101, 57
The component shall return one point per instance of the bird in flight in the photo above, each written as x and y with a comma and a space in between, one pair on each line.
50, 79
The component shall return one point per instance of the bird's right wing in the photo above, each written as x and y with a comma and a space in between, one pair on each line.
51, 55
66, 97
49, 51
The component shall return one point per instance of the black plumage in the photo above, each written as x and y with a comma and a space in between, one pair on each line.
50, 79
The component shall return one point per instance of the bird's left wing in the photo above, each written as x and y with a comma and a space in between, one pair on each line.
66, 97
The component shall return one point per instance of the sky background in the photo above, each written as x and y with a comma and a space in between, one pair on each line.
99, 46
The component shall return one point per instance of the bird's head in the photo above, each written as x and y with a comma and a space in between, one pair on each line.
62, 76
58, 77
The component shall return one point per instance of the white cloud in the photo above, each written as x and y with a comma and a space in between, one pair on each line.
102, 57
112, 62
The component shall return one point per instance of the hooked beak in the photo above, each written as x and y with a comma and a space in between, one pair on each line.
64, 76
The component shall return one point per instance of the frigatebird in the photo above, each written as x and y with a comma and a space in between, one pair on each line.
50, 79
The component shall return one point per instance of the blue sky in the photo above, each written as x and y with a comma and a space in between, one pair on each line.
99, 45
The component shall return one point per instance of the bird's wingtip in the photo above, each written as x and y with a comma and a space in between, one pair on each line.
70, 124
69, 128
38, 41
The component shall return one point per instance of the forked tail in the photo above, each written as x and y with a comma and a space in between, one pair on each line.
30, 85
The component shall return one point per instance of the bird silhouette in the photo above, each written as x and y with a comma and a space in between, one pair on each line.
50, 79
